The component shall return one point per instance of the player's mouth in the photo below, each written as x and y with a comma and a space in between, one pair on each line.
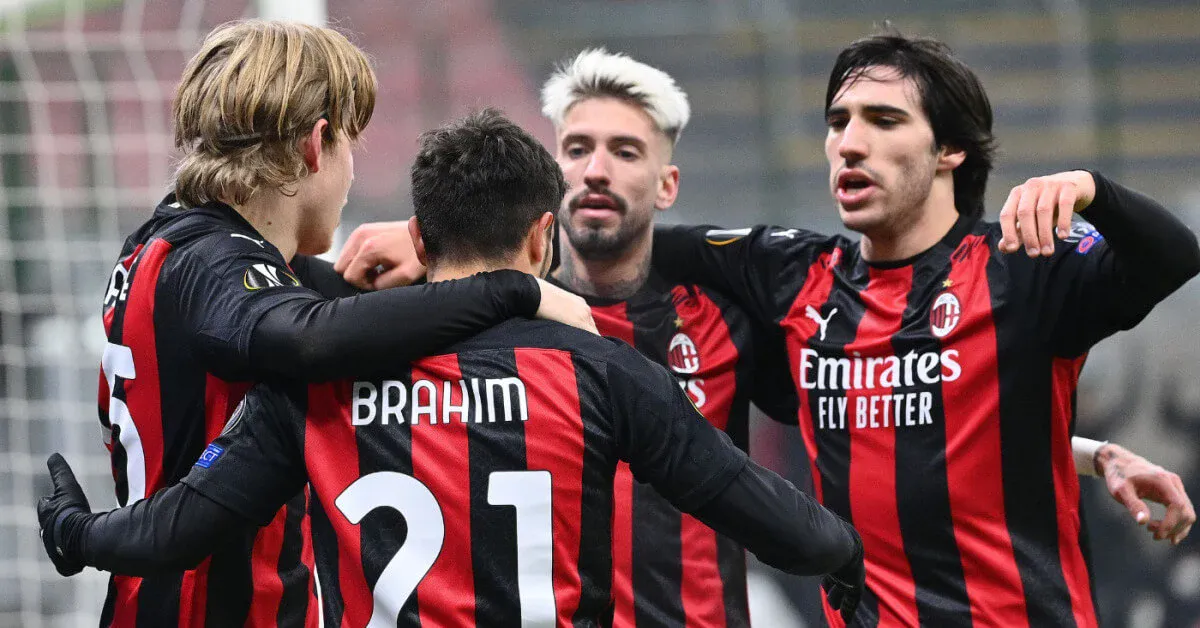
853, 188
592, 205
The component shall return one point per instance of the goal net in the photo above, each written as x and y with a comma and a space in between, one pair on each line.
85, 152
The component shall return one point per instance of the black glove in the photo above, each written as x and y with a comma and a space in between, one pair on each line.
53, 512
844, 587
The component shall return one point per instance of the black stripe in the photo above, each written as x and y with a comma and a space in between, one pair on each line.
325, 549
230, 583
922, 485
293, 573
491, 447
831, 428
383, 531
657, 565
1026, 462
596, 504
731, 565
158, 600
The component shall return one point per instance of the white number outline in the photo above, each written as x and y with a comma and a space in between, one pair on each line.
117, 361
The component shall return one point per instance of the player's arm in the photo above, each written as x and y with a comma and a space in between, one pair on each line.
1130, 479
669, 444
175, 529
242, 479
1094, 287
772, 389
759, 267
319, 275
247, 318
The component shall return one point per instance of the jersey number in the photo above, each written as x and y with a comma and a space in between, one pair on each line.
117, 361
528, 491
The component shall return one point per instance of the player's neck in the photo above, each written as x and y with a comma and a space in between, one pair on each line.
902, 242
446, 271
274, 218
617, 278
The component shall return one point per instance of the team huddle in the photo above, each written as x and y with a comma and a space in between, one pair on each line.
552, 428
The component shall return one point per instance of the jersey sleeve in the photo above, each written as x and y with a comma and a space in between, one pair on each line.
319, 275
249, 317
762, 268
257, 464
772, 389
664, 438
1107, 277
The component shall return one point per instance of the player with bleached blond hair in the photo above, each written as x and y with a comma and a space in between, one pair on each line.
212, 293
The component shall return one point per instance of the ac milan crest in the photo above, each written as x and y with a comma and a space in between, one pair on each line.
682, 356
944, 315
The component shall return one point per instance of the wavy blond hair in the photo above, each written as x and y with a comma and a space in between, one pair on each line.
253, 90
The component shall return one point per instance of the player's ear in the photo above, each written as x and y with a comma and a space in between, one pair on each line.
541, 243
414, 232
311, 146
950, 157
668, 187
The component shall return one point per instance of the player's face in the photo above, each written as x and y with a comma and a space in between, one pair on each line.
331, 187
616, 164
882, 157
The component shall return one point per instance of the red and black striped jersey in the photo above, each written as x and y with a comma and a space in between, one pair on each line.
177, 312
669, 569
472, 488
937, 395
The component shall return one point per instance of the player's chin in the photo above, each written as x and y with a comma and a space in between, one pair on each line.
860, 219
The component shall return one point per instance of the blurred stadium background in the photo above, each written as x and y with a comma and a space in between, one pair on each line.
85, 137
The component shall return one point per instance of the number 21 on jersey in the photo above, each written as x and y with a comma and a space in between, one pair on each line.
529, 492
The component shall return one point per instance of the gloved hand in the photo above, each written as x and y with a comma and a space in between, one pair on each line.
53, 511
844, 587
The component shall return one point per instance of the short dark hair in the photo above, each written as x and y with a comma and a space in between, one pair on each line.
478, 184
951, 95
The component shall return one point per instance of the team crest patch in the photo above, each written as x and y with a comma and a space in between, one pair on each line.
682, 356
945, 314
261, 276
211, 454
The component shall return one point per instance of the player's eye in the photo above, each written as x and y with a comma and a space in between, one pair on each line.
837, 123
627, 153
575, 151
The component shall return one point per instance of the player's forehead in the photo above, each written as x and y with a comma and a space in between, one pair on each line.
602, 118
878, 86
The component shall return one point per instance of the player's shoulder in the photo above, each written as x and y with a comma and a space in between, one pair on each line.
522, 334
214, 238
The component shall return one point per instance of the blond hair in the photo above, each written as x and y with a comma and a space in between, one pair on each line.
598, 73
253, 90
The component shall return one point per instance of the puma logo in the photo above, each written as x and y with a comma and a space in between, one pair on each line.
812, 313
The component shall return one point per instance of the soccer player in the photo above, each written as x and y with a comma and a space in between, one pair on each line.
936, 369
207, 298
473, 487
617, 122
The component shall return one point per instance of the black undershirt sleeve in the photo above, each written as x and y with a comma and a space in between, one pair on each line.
315, 339
175, 529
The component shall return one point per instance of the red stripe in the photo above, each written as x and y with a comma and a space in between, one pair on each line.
613, 320
143, 398
142, 393
972, 404
799, 328
440, 460
1066, 490
193, 595
125, 601
331, 456
872, 482
555, 443
702, 590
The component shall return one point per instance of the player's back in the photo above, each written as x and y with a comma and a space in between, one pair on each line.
162, 401
475, 487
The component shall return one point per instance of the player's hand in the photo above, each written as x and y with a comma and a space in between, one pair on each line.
1131, 479
562, 306
380, 255
844, 587
1042, 207
66, 499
